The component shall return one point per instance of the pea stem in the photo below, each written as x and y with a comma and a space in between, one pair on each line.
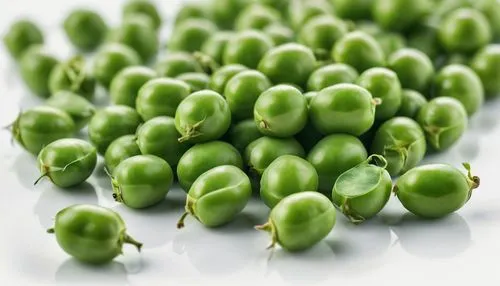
269, 227
128, 239
51, 230
180, 223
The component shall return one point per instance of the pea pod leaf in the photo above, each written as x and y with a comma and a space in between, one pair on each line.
358, 181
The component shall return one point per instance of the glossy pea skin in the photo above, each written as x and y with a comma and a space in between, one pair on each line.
145, 8
37, 127
217, 196
36, 65
321, 32
281, 111
126, 84
110, 59
257, 17
334, 155
387, 13
192, 10
72, 76
383, 84
222, 76
85, 29
353, 9
177, 63
224, 12
411, 103
287, 175
444, 120
280, 34
299, 11
247, 48
414, 68
329, 75
67, 162
203, 157
80, 109
91, 234
195, 80
289, 64
161, 97
402, 143
243, 133
190, 35
120, 149
300, 221
21, 36
215, 46
342, 108
485, 63
111, 123
358, 50
462, 83
434, 191
262, 152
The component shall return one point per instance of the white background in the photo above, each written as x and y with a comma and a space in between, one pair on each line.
393, 249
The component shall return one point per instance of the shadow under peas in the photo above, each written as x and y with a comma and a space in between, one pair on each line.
73, 272
26, 170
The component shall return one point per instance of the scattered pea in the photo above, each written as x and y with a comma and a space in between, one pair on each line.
36, 64
80, 109
72, 76
190, 35
358, 50
411, 103
414, 68
222, 76
22, 35
243, 133
195, 80
145, 8
85, 29
256, 17
485, 63
120, 149
110, 59
247, 48
332, 74
126, 84
177, 63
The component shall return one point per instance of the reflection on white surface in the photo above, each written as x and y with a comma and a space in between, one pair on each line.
73, 272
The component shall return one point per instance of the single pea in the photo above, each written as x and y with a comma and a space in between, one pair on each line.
91, 234
384, 85
203, 157
80, 109
329, 75
73, 76
217, 196
126, 84
334, 155
190, 35
434, 191
85, 29
36, 65
161, 97
411, 103
491, 10
402, 142
390, 42
281, 111
224, 12
299, 11
353, 9
485, 63
145, 8
67, 162
111, 123
243, 133
262, 152
300, 221
387, 13
363, 191
444, 120
222, 76
243, 90
192, 10
425, 39
322, 32
256, 17
414, 68
37, 127
359, 50
111, 59
120, 149
215, 46
464, 30
309, 136
195, 80
247, 48
21, 35
343, 108
177, 63
289, 63
280, 34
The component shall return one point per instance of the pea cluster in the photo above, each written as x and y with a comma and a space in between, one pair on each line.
315, 104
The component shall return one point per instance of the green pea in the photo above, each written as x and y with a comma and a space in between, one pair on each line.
444, 120
126, 84
247, 48
243, 90
280, 34
353, 9
215, 45
222, 76
256, 17
36, 65
414, 68
145, 8
300, 221
485, 63
85, 29
67, 162
120, 149
203, 157
289, 63
192, 10
73, 76
177, 63
299, 11
111, 123
195, 80
322, 32
491, 10
217, 196
281, 111
37, 127
359, 50
363, 191
263, 151
388, 13
402, 142
411, 103
244, 133
91, 234
161, 97
330, 75
434, 191
80, 109
343, 108
224, 12
384, 85
190, 35
390, 42
21, 35
111, 59
334, 155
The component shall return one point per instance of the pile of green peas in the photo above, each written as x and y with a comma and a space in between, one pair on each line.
316, 106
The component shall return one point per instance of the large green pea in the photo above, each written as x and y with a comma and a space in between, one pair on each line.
119, 150
177, 63
332, 74
353, 9
322, 32
195, 80
485, 63
300, 11
22, 35
402, 142
190, 10
85, 29
244, 133
359, 50
414, 68
411, 103
111, 59
190, 35
127, 83
334, 155
36, 64
73, 76
247, 48
388, 13
224, 12
80, 109
256, 17
300, 221
434, 191
215, 46
144, 8
222, 76
444, 120
67, 162
280, 34
203, 157
37, 127
281, 111
217, 196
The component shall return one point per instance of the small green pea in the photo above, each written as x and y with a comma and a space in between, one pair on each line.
353, 9
262, 152
21, 35
36, 65
485, 63
126, 84
322, 32
329, 75
243, 133
247, 48
110, 59
72, 76
145, 8
414, 68
256, 17
80, 109
411, 103
85, 29
224, 12
491, 10
390, 42
359, 50
191, 34
222, 76
192, 10
195, 80
120, 149
299, 11
177, 63
280, 34
215, 46
388, 13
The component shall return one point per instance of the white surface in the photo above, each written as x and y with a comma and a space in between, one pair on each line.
394, 249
